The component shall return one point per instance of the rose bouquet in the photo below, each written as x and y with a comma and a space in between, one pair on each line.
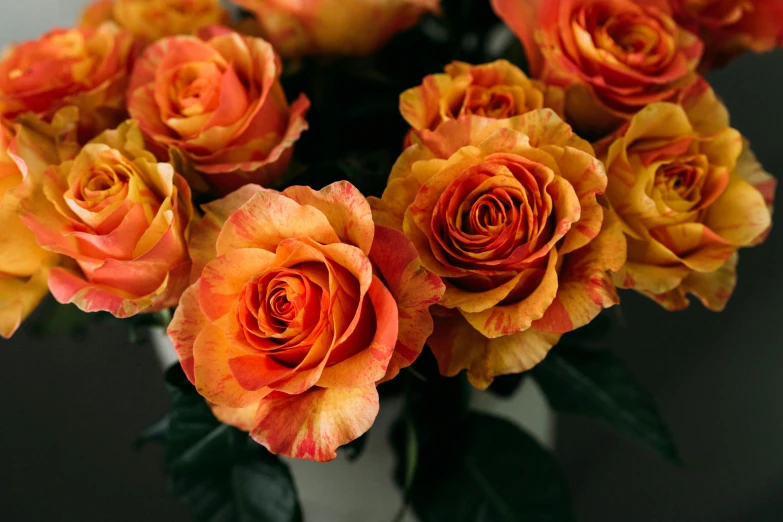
324, 222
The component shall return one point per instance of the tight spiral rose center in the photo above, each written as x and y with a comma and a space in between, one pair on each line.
99, 184
279, 309
496, 102
635, 39
196, 88
495, 211
682, 180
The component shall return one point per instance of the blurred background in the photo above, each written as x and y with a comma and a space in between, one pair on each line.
71, 408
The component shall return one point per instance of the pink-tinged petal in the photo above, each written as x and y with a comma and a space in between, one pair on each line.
314, 424
18, 298
68, 287
245, 163
224, 276
458, 346
270, 217
421, 106
345, 208
502, 320
749, 169
242, 418
713, 289
187, 323
371, 362
212, 375
204, 234
522, 17
740, 215
233, 103
585, 285
257, 370
415, 290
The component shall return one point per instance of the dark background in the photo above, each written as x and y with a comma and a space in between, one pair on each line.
71, 408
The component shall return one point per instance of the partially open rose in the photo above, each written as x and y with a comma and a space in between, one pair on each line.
729, 27
88, 68
505, 211
688, 197
613, 56
302, 306
24, 265
151, 20
352, 27
495, 90
218, 101
112, 208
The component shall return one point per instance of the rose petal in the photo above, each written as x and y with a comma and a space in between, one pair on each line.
415, 290
314, 424
345, 208
212, 375
458, 346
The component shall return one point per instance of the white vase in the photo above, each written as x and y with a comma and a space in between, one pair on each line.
364, 490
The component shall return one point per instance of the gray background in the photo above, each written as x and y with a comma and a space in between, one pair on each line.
71, 408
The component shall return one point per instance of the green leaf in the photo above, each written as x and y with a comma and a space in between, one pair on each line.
489, 471
218, 472
597, 384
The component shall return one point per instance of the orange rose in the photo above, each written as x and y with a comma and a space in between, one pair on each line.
613, 56
302, 306
505, 211
729, 27
24, 265
111, 207
495, 90
151, 20
688, 198
87, 68
219, 102
356, 27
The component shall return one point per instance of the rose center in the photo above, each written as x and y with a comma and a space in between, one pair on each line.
280, 308
682, 179
99, 183
491, 214
196, 88
491, 103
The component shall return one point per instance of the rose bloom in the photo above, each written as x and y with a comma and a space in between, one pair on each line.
355, 27
153, 19
87, 68
495, 90
24, 265
729, 27
218, 101
505, 212
614, 56
112, 208
688, 197
303, 304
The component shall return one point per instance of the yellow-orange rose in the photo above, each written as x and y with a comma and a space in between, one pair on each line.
505, 212
112, 208
302, 305
685, 193
88, 68
154, 19
729, 27
355, 27
24, 265
218, 101
613, 56
494, 90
